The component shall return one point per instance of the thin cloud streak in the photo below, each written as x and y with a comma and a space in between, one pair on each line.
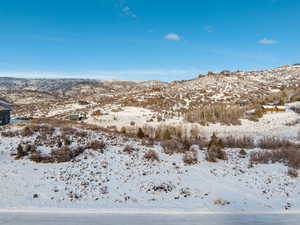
54, 75
172, 37
208, 29
266, 41
34, 37
101, 75
125, 9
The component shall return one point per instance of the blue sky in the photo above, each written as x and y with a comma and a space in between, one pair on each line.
145, 39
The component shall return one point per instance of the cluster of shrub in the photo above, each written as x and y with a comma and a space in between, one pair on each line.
273, 149
58, 155
231, 114
190, 149
60, 143
219, 113
164, 131
278, 151
42, 130
286, 94
296, 109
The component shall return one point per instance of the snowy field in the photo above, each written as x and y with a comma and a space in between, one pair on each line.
115, 180
271, 124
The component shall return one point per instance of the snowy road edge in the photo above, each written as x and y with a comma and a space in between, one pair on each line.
137, 211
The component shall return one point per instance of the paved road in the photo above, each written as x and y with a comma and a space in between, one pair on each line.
113, 219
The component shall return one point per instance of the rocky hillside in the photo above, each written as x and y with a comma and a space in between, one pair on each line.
250, 87
71, 86
225, 87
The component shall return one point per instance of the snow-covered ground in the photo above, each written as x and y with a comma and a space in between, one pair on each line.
122, 118
115, 180
271, 124
65, 109
118, 180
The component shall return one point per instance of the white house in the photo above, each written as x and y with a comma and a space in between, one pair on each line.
297, 65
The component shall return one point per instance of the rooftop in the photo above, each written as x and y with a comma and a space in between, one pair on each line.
3, 108
5, 105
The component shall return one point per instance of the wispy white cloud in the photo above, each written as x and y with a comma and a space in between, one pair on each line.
208, 29
151, 30
173, 37
266, 41
150, 72
55, 75
103, 75
125, 9
33, 37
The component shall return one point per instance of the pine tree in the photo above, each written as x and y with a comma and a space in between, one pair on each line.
20, 152
281, 102
167, 135
140, 133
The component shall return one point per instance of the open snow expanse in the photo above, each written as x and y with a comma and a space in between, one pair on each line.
119, 180
138, 219
272, 124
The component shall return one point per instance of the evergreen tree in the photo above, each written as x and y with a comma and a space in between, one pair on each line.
140, 133
281, 102
167, 135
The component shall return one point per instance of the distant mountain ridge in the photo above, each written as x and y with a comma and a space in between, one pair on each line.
41, 84
74, 87
229, 87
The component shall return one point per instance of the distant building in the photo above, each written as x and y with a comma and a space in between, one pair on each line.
273, 108
242, 102
226, 72
97, 113
281, 108
4, 115
80, 116
296, 65
284, 67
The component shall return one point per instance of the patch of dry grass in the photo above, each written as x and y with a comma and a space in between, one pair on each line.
215, 150
225, 114
238, 142
292, 172
173, 146
151, 155
190, 157
288, 155
274, 143
97, 145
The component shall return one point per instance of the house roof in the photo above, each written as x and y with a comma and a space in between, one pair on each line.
3, 108
281, 107
269, 107
5, 105
273, 107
